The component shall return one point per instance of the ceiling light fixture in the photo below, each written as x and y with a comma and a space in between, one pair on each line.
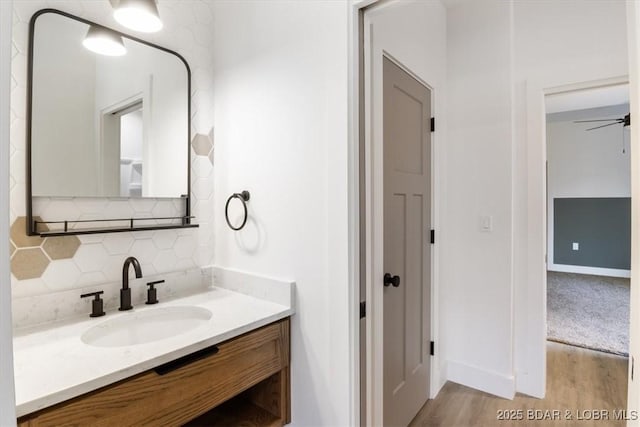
138, 15
104, 41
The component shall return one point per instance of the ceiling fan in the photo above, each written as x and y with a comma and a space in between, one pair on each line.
625, 121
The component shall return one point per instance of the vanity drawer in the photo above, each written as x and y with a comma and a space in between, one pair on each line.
182, 394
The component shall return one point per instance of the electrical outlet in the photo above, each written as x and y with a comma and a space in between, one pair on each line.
575, 246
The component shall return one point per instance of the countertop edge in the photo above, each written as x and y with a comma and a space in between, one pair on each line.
33, 406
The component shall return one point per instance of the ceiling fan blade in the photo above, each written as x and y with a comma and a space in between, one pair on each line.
589, 121
603, 126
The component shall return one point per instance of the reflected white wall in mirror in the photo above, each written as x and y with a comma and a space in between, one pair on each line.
131, 152
105, 126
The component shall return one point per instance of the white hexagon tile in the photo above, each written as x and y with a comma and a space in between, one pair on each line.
118, 244
164, 239
48, 265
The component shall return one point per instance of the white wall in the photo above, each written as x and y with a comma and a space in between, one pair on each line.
588, 163
63, 92
131, 135
585, 164
131, 152
477, 265
498, 53
281, 132
7, 397
556, 44
160, 80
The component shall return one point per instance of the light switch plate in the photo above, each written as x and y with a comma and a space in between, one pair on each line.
486, 223
575, 246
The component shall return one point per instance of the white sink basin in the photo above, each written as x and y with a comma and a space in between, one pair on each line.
146, 326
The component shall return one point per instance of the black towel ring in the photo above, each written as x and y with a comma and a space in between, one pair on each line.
244, 198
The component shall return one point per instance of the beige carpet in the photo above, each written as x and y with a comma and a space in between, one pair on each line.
588, 311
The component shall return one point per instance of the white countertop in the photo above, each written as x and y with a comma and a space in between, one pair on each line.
52, 364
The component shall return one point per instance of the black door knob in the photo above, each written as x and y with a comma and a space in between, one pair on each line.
391, 280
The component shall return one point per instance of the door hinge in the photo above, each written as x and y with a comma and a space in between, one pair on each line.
433, 124
363, 309
433, 236
432, 350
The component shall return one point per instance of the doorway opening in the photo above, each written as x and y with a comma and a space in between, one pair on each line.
397, 97
131, 150
122, 147
588, 218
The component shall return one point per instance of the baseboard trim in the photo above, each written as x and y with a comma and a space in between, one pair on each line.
531, 386
596, 271
437, 381
481, 379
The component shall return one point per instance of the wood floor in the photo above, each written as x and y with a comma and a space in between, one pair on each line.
583, 382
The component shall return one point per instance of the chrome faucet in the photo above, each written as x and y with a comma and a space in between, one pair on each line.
125, 292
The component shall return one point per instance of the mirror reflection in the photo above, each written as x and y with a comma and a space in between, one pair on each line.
109, 114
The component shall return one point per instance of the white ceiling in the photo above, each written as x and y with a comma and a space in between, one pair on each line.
589, 98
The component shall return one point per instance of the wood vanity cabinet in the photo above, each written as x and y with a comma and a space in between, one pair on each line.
246, 382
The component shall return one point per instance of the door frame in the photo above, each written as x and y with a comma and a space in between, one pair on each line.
363, 237
532, 378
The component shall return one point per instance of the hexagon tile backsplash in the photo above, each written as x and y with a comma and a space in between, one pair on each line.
33, 254
42, 266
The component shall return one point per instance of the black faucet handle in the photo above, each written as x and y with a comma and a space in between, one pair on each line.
152, 293
91, 294
97, 305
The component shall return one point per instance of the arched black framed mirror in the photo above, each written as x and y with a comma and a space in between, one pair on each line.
108, 116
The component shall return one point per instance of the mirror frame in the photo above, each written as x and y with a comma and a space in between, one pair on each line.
32, 229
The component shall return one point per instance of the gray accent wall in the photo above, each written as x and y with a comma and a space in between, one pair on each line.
585, 164
601, 227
